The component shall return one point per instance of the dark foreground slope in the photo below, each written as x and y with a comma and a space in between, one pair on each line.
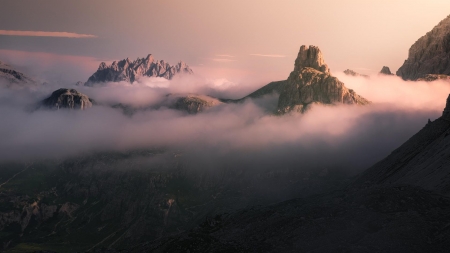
401, 204
124, 200
391, 219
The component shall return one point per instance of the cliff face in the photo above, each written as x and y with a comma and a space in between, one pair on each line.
429, 55
128, 71
67, 98
311, 82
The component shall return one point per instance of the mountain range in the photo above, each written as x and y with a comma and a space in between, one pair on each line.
129, 71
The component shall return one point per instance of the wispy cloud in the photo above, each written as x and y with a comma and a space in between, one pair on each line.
225, 55
269, 55
222, 60
45, 34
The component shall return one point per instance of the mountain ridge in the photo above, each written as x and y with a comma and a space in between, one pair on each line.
129, 71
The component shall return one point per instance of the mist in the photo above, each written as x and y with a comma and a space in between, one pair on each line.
245, 135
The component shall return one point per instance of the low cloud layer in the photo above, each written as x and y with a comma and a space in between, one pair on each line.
244, 134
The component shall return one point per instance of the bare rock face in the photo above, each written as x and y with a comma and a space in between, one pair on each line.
67, 98
128, 71
311, 83
350, 72
12, 78
429, 55
386, 71
310, 57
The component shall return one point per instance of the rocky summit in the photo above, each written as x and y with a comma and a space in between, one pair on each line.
311, 83
429, 55
386, 71
67, 98
130, 71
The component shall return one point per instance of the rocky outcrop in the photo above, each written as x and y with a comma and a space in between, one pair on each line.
194, 103
130, 71
429, 55
67, 98
11, 78
434, 77
311, 83
386, 71
350, 72
190, 103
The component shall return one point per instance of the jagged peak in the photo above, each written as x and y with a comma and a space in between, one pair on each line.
311, 57
102, 66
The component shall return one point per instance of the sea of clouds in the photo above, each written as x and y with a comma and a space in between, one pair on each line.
243, 134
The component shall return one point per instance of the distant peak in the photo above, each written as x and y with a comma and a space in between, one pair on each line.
386, 71
311, 57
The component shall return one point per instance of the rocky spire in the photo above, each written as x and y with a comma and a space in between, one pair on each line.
311, 83
311, 57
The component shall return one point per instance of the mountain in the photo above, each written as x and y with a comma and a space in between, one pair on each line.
311, 82
273, 87
429, 55
386, 71
13, 78
350, 72
68, 99
128, 71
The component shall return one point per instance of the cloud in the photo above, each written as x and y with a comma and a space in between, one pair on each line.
51, 67
225, 55
243, 135
269, 55
45, 34
222, 60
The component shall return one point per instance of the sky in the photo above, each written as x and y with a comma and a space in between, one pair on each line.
237, 40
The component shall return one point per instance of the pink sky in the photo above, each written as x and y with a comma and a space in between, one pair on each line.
226, 37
